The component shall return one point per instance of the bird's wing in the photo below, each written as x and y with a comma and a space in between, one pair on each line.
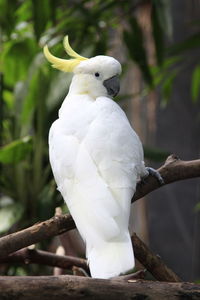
85, 192
114, 146
117, 153
63, 151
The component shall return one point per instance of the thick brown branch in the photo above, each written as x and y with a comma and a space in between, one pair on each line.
152, 262
31, 256
75, 287
34, 234
173, 170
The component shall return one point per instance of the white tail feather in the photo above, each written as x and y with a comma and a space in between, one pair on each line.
112, 259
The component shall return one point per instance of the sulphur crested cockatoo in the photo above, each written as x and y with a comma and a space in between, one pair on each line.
97, 159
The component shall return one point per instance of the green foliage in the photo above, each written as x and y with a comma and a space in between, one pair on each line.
161, 22
15, 151
15, 62
195, 89
7, 19
43, 12
167, 87
180, 50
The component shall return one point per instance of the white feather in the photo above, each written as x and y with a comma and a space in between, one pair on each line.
96, 158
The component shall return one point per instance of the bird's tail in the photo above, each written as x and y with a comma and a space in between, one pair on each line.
112, 259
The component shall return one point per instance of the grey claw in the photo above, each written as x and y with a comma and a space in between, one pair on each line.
155, 174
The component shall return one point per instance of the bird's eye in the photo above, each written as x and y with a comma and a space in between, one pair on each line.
97, 74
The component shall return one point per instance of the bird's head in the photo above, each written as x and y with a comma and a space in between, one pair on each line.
96, 76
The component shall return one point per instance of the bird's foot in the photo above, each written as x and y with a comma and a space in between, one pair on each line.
143, 180
154, 173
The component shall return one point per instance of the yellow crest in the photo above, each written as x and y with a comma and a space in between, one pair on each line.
65, 65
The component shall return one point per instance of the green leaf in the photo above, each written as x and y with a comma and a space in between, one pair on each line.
195, 88
41, 16
167, 63
134, 43
9, 215
24, 12
7, 15
31, 91
15, 64
170, 61
8, 99
160, 73
167, 87
16, 151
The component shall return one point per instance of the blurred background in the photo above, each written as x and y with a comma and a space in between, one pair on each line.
158, 45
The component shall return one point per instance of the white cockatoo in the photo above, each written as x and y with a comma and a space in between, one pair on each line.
97, 159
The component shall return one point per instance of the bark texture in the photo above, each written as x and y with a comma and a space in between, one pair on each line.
31, 256
174, 169
153, 263
74, 287
34, 234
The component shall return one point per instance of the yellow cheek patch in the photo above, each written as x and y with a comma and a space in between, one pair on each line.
65, 65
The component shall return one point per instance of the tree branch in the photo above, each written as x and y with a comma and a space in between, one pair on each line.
152, 262
32, 256
173, 170
34, 234
74, 287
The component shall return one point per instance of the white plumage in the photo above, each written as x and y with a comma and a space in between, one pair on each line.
96, 159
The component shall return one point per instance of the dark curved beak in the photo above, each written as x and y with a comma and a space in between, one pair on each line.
112, 85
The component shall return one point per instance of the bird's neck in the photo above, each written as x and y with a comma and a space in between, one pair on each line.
84, 84
79, 85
